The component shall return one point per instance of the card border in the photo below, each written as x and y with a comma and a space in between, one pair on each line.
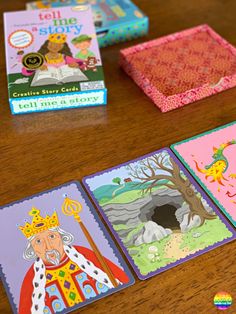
198, 188
108, 237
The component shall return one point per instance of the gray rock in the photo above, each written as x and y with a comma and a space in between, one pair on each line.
186, 226
151, 232
124, 232
128, 214
169, 231
180, 212
132, 238
141, 210
198, 234
133, 251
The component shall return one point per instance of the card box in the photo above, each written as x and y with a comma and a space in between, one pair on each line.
69, 79
182, 68
115, 20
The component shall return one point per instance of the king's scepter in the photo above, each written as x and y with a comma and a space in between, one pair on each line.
73, 208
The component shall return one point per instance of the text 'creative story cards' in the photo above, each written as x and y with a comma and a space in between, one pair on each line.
115, 20
157, 212
210, 157
181, 68
58, 256
53, 60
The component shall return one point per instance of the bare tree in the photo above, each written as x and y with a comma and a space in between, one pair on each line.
169, 176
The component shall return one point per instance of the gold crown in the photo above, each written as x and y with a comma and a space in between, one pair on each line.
39, 223
57, 38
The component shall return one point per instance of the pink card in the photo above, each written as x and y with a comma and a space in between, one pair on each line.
210, 157
181, 68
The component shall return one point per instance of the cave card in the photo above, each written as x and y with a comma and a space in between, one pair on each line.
59, 256
210, 157
157, 212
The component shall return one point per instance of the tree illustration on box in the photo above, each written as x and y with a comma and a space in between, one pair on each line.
162, 170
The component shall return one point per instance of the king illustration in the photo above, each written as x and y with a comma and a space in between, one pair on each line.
62, 275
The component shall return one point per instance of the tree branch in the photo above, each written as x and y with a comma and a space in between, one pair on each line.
176, 170
144, 172
160, 163
171, 186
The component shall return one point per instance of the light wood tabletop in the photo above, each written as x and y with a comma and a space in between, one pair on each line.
42, 150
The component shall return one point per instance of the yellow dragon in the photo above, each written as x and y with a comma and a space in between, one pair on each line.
219, 165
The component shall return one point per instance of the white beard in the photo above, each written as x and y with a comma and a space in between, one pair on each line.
56, 260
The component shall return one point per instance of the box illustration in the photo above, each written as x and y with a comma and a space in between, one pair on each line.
115, 20
53, 60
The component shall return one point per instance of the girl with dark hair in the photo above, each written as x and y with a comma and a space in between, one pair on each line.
56, 52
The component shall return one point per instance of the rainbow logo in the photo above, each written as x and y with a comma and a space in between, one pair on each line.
223, 300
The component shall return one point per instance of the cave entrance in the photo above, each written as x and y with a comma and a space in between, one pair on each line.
165, 217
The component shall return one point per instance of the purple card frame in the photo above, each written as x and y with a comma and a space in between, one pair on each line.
106, 235
198, 188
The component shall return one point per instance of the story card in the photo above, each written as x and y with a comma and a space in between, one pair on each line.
157, 212
210, 157
58, 256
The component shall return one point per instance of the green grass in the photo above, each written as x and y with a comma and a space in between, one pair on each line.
126, 197
120, 227
212, 231
141, 259
145, 264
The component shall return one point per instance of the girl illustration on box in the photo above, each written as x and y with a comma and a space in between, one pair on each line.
56, 53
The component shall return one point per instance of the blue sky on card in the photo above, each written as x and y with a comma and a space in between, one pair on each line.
106, 177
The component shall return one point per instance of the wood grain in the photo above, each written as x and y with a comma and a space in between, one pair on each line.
40, 151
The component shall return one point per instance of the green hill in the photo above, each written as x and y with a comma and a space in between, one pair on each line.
104, 192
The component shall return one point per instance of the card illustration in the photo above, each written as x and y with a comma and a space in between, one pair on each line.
210, 157
63, 257
157, 212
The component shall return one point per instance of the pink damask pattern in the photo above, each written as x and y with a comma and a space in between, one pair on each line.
181, 68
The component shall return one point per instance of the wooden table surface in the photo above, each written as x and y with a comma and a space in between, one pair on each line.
43, 150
